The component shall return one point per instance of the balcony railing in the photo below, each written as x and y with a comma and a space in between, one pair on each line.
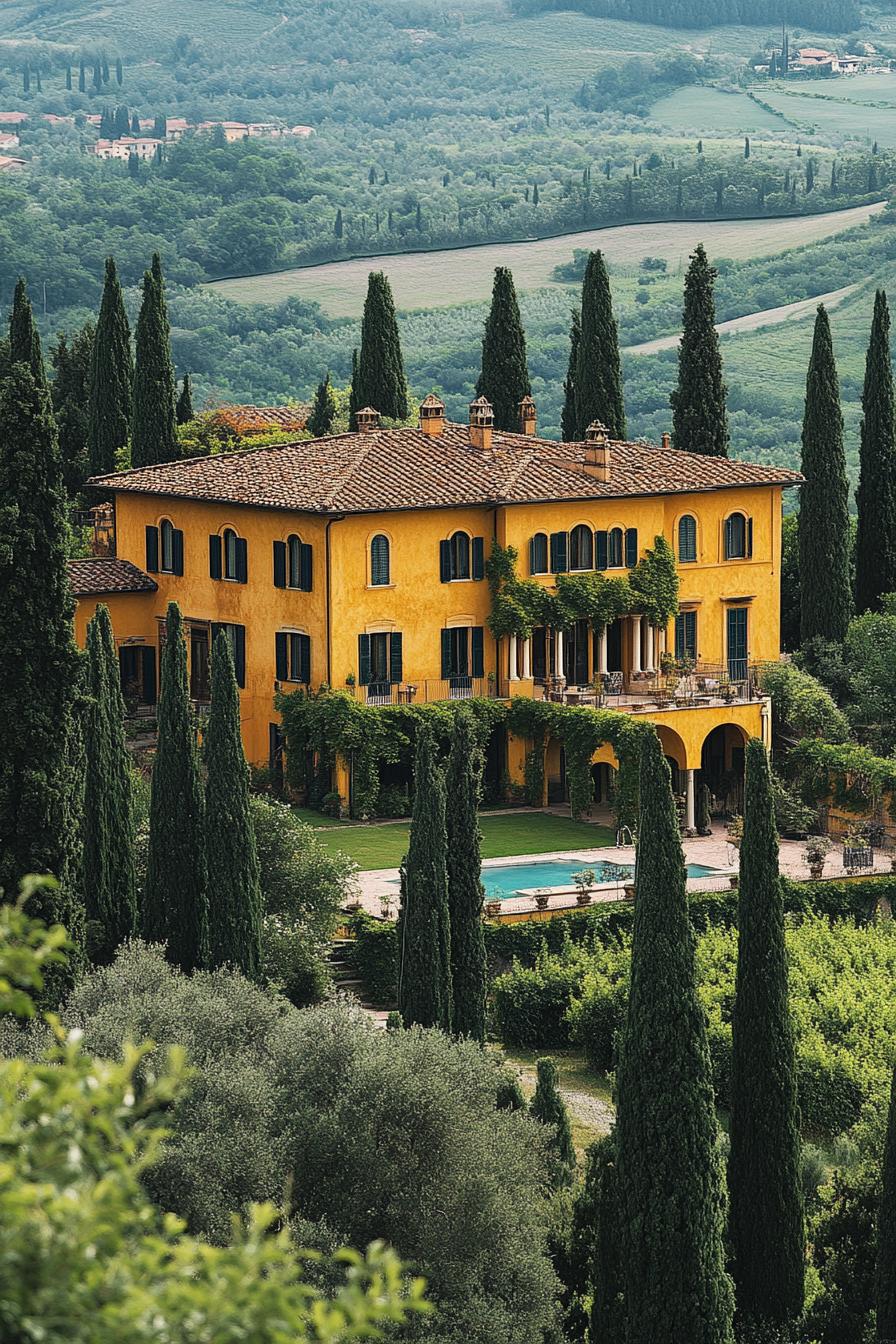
704, 684
427, 691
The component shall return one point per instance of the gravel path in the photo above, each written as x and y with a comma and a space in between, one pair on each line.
584, 1107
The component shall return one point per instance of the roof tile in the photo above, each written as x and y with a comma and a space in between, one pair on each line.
101, 574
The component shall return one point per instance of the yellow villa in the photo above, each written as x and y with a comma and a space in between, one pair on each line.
359, 561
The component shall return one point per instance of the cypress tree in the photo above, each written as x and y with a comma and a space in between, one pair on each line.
121, 121
549, 1107
504, 378
569, 425
184, 409
111, 380
607, 1322
175, 901
876, 495
231, 856
699, 416
40, 685
82, 77
323, 411
24, 341
886, 1234
468, 977
136, 128
110, 885
68, 78
354, 405
153, 418
381, 381
826, 602
424, 931
133, 165
765, 1221
70, 394
119, 71
598, 371
670, 1173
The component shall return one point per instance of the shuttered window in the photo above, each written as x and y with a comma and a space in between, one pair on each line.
538, 554
379, 561
614, 548
463, 652
379, 658
559, 542
631, 547
581, 548
601, 555
738, 537
237, 637
292, 564
687, 540
686, 635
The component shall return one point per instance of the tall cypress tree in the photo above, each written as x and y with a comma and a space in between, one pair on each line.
111, 379
464, 886
671, 1185
153, 419
826, 602
699, 415
354, 405
70, 394
886, 1234
424, 931
549, 1107
381, 381
876, 495
175, 900
40, 684
24, 341
110, 885
504, 378
185, 402
323, 411
231, 856
765, 1221
598, 370
569, 424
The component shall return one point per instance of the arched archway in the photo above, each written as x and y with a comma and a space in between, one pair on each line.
675, 753
722, 766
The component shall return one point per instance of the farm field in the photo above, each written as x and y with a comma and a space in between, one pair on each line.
135, 29
698, 106
465, 274
843, 118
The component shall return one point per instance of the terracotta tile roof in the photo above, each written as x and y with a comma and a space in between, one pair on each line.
407, 469
93, 578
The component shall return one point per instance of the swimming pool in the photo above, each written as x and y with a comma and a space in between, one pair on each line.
504, 882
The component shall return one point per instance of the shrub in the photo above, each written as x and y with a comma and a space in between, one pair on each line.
529, 1006
802, 703
373, 956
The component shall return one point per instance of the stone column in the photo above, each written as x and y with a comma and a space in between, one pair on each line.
602, 650
513, 658
648, 649
527, 658
636, 643
689, 811
559, 670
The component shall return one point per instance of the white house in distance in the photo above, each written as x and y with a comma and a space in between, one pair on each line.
144, 146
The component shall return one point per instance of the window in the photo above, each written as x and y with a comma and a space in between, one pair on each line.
166, 531
538, 554
686, 635
229, 553
737, 643
165, 548
236, 634
379, 562
227, 556
379, 662
581, 548
462, 656
614, 548
559, 552
631, 547
687, 540
293, 657
738, 537
461, 557
293, 564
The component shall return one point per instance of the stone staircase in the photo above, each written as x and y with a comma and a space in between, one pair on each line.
347, 981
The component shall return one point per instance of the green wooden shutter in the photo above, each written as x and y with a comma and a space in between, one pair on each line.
152, 550
477, 660
446, 654
282, 652
178, 549
307, 572
242, 560
148, 657
749, 538
478, 557
214, 557
600, 550
395, 658
559, 542
305, 659
532, 559
279, 564
363, 660
631, 547
444, 562
239, 655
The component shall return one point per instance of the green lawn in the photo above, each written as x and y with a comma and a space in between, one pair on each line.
384, 846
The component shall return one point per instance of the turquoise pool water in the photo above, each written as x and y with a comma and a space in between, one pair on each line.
501, 883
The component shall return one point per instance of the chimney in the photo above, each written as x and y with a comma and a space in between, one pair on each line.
432, 416
482, 422
528, 417
367, 420
667, 439
597, 451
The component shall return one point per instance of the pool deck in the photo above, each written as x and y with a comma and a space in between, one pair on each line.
712, 851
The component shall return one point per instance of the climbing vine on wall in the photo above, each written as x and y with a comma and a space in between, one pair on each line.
849, 774
519, 605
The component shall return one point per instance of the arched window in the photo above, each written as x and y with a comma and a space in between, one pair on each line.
614, 548
459, 550
379, 561
166, 529
737, 537
538, 553
230, 562
581, 547
294, 562
687, 540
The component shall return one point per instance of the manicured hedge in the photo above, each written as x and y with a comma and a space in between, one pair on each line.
372, 956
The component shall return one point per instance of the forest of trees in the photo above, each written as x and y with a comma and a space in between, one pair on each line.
829, 16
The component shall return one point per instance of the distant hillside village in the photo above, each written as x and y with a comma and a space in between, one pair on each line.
783, 61
122, 135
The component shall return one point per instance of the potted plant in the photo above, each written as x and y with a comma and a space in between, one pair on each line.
815, 851
584, 880
350, 679
541, 899
735, 830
